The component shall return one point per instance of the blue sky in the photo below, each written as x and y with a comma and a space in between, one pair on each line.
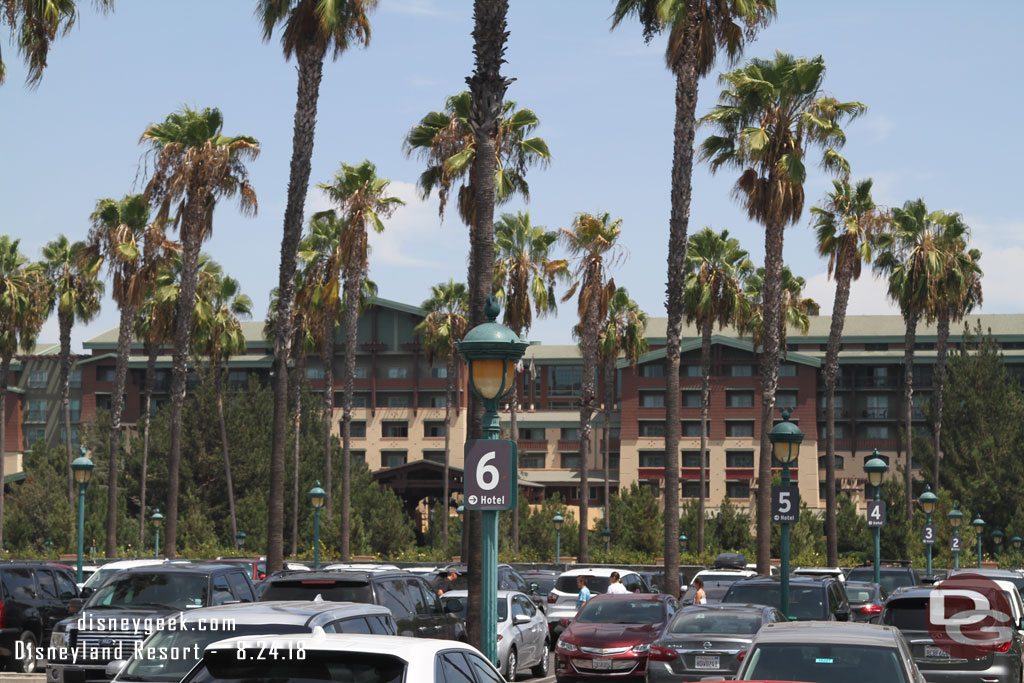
928, 72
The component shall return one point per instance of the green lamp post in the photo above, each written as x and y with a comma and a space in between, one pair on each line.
317, 498
979, 527
158, 521
997, 539
1016, 541
82, 469
928, 501
682, 543
557, 521
491, 350
240, 539
606, 534
876, 469
786, 438
956, 518
461, 510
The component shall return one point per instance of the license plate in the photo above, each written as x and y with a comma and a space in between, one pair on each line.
932, 652
707, 662
602, 664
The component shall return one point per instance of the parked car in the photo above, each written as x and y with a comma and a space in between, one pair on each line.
1014, 576
104, 631
834, 572
714, 590
257, 567
522, 632
892, 575
866, 600
728, 568
611, 636
543, 578
829, 653
413, 602
707, 640
33, 599
814, 599
561, 606
208, 625
342, 659
508, 580
105, 571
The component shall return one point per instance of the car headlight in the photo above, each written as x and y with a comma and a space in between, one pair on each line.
642, 647
59, 639
567, 646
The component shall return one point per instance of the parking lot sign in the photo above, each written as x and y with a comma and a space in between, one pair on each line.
491, 474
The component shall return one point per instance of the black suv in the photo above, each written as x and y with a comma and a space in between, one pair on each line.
129, 606
33, 598
892, 575
412, 601
810, 598
508, 580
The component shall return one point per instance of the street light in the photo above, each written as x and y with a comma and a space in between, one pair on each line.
956, 518
461, 510
240, 539
928, 501
607, 535
876, 469
491, 351
158, 521
82, 468
317, 497
1016, 541
997, 538
682, 543
979, 526
786, 438
557, 521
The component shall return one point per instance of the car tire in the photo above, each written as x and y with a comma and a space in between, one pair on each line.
511, 664
541, 669
28, 664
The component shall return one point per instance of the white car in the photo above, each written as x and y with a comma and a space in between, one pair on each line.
772, 569
342, 657
361, 566
562, 598
105, 571
821, 571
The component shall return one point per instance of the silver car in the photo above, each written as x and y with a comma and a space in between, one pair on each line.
522, 632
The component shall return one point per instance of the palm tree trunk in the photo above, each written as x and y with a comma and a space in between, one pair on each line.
587, 400
705, 400
65, 319
679, 221
908, 405
514, 436
328, 363
844, 275
218, 383
449, 398
771, 329
151, 353
5, 369
300, 373
938, 382
609, 401
124, 344
353, 286
310, 57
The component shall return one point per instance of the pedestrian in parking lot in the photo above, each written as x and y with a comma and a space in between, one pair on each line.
581, 583
701, 598
447, 583
615, 586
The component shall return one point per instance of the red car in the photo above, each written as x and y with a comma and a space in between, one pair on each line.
611, 636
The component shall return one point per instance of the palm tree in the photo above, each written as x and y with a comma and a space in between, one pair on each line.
24, 299
524, 274
911, 255
622, 334
77, 292
769, 114
796, 310
37, 24
847, 225
194, 165
445, 324
363, 200
716, 273
698, 29
311, 28
133, 249
592, 245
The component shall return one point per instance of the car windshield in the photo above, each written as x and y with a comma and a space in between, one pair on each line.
824, 663
715, 621
99, 577
161, 590
805, 602
721, 578
329, 589
544, 583
621, 612
714, 590
169, 655
890, 580
246, 666
451, 600
596, 584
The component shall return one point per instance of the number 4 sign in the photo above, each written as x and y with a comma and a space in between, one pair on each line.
876, 513
491, 474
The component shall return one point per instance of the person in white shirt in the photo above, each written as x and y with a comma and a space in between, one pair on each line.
615, 586
701, 598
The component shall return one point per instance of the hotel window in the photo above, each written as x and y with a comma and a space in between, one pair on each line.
613, 462
652, 458
787, 370
876, 347
75, 379
105, 373
737, 489
37, 379
691, 428
532, 461
531, 433
650, 428
652, 399
840, 431
358, 456
741, 371
739, 459
237, 379
652, 370
358, 429
392, 458
360, 372
75, 409
433, 429
692, 459
739, 429
570, 461
565, 380
691, 399
785, 399
434, 456
314, 372
822, 462
360, 400
876, 407
395, 430
34, 434
439, 373
433, 400
400, 401
739, 399
876, 432
691, 488
74, 436
570, 433
692, 371
398, 373
35, 410
653, 485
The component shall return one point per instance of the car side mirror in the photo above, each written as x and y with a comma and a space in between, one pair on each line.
115, 667
520, 619
453, 605
75, 604
843, 615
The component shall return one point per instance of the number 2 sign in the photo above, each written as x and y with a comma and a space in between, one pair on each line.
491, 475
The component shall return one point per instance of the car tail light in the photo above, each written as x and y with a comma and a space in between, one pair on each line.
552, 598
870, 609
741, 655
319, 583
995, 647
661, 654
564, 621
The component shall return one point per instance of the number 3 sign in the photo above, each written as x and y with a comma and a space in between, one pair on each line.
491, 475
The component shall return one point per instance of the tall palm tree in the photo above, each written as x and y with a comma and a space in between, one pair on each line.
194, 165
37, 24
717, 269
698, 30
24, 305
77, 292
592, 243
310, 29
796, 309
621, 334
363, 201
911, 256
770, 113
524, 274
445, 324
133, 249
847, 225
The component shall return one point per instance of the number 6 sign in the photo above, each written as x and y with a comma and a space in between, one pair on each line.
490, 479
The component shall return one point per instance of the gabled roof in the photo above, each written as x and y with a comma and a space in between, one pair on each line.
691, 344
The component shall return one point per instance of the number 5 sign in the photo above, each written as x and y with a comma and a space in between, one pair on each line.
490, 480
785, 504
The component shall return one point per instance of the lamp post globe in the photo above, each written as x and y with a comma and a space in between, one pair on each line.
956, 518
876, 468
785, 438
997, 539
1016, 541
317, 498
927, 500
240, 539
979, 528
682, 543
606, 533
557, 521
81, 468
158, 521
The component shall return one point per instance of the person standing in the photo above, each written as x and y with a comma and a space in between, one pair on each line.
701, 598
615, 586
581, 599
447, 583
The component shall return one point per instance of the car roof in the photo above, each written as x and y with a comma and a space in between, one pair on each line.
337, 574
462, 593
827, 632
540, 572
282, 611
862, 584
1008, 573
810, 580
398, 646
360, 567
727, 607
597, 571
820, 570
181, 568
649, 597
131, 564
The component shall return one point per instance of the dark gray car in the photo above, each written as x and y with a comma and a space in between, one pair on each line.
706, 641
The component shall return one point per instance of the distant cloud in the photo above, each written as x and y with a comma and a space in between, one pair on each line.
1002, 251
